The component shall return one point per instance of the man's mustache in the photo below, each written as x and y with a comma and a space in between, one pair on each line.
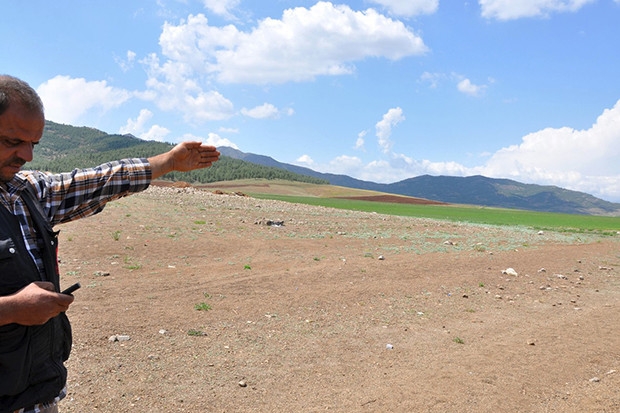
16, 161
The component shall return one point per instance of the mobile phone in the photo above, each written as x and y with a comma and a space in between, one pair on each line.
72, 288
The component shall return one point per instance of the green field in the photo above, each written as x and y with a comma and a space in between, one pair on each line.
479, 215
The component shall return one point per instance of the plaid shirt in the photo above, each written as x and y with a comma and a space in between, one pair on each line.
69, 196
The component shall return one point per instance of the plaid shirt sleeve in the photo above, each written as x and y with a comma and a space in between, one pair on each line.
84, 192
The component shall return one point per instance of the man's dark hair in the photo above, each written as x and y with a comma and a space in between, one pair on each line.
16, 91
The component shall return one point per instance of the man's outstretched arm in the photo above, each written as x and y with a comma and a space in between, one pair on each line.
186, 156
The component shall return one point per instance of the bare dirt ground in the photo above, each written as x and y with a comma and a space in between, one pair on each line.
333, 311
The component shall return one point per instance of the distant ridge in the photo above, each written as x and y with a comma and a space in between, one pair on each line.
65, 147
473, 190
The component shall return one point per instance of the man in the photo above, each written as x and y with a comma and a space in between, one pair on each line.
35, 335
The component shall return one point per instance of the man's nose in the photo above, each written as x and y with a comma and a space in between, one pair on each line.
25, 151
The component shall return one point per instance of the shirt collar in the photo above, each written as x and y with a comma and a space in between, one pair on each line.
17, 184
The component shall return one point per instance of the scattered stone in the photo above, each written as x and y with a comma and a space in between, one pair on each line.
381, 258
119, 337
510, 271
531, 342
389, 347
541, 232
561, 276
542, 270
275, 223
269, 223
243, 383
101, 274
448, 242
162, 331
595, 380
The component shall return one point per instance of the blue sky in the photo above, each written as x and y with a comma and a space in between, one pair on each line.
381, 90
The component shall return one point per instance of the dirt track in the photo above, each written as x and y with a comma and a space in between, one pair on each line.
336, 310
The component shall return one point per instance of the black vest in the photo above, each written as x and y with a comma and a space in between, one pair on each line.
31, 358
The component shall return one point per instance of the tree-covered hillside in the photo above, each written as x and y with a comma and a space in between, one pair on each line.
64, 148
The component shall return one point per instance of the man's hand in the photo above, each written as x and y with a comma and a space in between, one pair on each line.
34, 304
186, 156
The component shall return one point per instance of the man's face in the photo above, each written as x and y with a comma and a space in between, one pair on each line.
20, 130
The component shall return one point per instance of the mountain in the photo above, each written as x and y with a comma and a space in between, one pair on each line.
473, 190
65, 147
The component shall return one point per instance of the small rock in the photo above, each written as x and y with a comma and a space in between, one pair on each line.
381, 258
510, 271
389, 347
594, 380
119, 337
243, 383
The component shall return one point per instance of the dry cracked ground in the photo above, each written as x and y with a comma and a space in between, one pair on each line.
190, 302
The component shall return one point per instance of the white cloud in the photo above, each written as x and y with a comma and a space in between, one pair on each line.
510, 9
409, 8
155, 133
305, 159
212, 139
174, 87
221, 7
325, 39
126, 64
384, 128
360, 142
264, 111
68, 99
216, 140
431, 78
465, 86
344, 163
137, 126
